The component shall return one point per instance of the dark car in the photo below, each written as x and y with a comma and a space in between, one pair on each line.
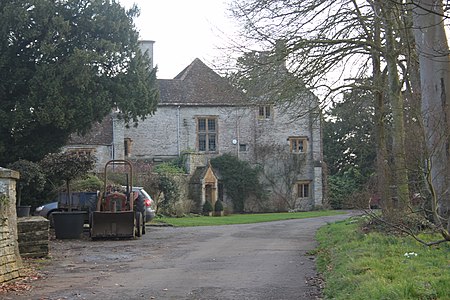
148, 203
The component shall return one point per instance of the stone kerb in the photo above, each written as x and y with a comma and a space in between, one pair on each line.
10, 261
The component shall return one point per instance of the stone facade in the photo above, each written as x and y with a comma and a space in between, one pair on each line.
10, 260
287, 146
240, 130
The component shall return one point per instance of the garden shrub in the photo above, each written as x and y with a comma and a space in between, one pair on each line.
207, 207
218, 206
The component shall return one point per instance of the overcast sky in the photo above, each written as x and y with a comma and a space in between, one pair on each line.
183, 30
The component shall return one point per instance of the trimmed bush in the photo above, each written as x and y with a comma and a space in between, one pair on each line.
218, 206
207, 207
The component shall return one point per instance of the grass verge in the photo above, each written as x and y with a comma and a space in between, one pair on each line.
377, 266
242, 218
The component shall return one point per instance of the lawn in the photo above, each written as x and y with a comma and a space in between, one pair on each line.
356, 265
242, 218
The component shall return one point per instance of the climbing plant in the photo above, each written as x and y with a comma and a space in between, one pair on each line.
168, 188
240, 179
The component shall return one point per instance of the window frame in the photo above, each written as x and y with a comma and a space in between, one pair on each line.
243, 147
298, 144
127, 143
207, 138
82, 151
265, 112
300, 189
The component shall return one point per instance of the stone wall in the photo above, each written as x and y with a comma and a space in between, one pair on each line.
173, 130
10, 261
186, 203
33, 233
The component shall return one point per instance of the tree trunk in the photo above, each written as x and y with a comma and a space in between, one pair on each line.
383, 178
19, 196
400, 187
432, 48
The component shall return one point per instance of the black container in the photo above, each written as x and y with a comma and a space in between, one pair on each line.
69, 224
23, 211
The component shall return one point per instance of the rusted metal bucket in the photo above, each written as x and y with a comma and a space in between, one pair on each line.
107, 224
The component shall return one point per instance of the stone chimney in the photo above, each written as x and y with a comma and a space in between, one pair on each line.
147, 46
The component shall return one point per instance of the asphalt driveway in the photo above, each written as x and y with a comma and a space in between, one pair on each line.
255, 261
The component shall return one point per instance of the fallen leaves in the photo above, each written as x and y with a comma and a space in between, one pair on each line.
23, 283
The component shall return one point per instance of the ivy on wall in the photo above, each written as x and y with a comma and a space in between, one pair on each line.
240, 179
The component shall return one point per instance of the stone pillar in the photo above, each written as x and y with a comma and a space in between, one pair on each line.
318, 186
10, 260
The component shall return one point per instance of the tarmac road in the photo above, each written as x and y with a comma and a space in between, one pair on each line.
255, 261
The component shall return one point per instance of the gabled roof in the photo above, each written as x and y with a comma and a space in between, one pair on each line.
200, 173
198, 84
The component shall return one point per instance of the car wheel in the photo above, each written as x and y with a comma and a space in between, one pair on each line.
138, 224
143, 224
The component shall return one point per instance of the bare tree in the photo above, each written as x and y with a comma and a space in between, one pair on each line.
351, 40
433, 52
333, 46
389, 15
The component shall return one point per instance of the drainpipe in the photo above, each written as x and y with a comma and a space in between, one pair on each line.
113, 140
178, 131
237, 132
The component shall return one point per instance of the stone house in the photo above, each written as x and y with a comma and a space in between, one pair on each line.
201, 115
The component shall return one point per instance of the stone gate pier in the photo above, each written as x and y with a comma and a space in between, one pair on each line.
10, 260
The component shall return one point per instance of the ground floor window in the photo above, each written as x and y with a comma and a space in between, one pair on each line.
303, 189
127, 146
82, 151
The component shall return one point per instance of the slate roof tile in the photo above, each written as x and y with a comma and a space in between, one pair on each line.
198, 84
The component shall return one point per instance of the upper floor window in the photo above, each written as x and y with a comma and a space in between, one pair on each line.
265, 112
207, 134
298, 144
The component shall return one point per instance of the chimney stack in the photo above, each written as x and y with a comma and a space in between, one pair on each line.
147, 46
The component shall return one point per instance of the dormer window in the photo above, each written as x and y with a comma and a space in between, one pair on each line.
265, 112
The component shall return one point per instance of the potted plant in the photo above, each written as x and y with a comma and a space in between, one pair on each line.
32, 180
218, 208
68, 166
207, 208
